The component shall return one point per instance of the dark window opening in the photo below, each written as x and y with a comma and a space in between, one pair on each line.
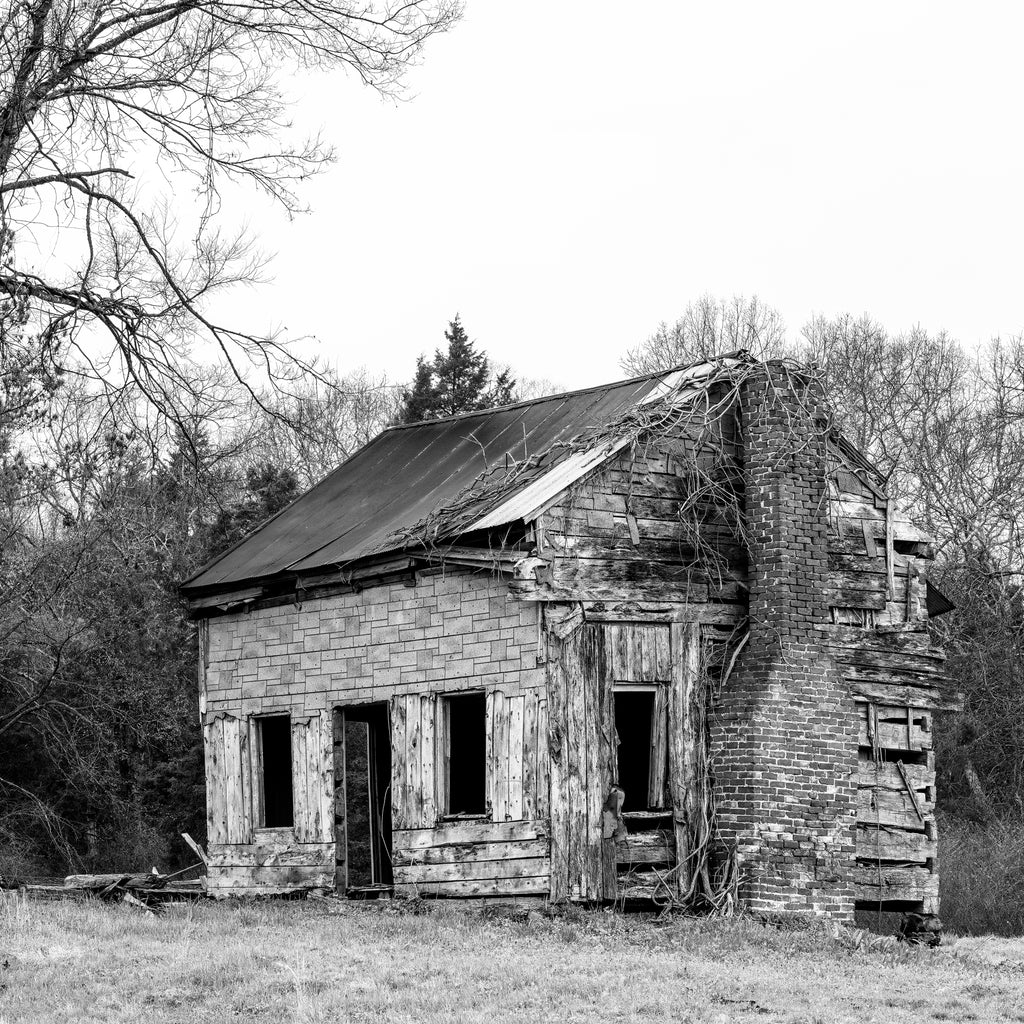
466, 739
634, 714
276, 764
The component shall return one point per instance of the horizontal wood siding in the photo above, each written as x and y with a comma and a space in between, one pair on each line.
473, 858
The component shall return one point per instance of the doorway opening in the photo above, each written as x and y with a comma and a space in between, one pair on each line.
367, 795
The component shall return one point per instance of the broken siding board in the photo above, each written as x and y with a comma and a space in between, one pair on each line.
888, 807
577, 750
647, 848
468, 832
468, 870
896, 729
457, 853
886, 775
279, 853
894, 883
894, 844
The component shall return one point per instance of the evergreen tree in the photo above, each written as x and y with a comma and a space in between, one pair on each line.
458, 379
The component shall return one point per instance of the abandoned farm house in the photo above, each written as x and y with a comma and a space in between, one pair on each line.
664, 639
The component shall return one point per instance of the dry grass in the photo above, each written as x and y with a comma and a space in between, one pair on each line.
284, 962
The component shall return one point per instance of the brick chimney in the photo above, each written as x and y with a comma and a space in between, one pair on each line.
784, 741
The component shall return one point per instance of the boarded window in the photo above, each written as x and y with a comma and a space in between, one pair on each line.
465, 729
275, 747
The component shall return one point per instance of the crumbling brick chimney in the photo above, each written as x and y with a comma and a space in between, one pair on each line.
784, 743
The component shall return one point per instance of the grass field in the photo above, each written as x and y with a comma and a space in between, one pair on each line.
335, 962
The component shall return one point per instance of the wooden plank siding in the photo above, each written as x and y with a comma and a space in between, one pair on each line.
242, 855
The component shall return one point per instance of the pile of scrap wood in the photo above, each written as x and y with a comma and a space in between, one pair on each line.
146, 890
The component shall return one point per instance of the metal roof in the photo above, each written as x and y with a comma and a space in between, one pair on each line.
407, 473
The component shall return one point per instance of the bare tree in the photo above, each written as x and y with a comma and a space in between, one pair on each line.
121, 123
318, 424
709, 327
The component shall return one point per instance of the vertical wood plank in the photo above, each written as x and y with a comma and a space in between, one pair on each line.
558, 663
213, 747
232, 780
516, 757
428, 760
490, 784
659, 747
577, 750
256, 761
340, 802
531, 747
314, 781
298, 730
500, 756
683, 742
326, 777
413, 763
245, 780
601, 764
543, 790
398, 758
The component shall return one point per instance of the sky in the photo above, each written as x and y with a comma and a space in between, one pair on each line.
566, 175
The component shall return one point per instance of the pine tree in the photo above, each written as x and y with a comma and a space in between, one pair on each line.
458, 379
418, 402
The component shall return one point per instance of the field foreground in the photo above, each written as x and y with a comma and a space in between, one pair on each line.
330, 961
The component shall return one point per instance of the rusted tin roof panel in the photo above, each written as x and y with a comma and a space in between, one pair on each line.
369, 504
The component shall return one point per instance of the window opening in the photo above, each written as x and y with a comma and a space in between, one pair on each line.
634, 715
276, 770
466, 754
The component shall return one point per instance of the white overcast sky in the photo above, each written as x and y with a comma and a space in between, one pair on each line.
567, 174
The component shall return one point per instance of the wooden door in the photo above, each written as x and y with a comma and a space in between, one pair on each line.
589, 667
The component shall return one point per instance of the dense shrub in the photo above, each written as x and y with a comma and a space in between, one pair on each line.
982, 875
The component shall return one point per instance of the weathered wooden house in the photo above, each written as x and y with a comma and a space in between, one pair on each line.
665, 638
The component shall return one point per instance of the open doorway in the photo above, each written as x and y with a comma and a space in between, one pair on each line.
365, 861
